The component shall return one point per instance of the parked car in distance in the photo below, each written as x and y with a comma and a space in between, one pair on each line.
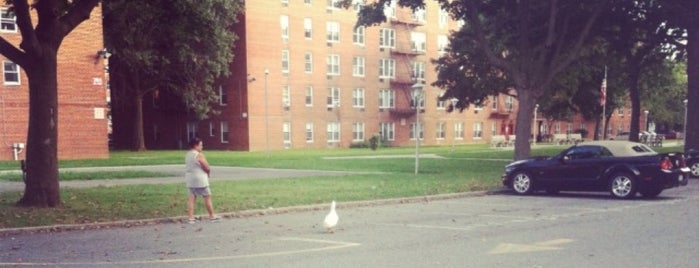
623, 168
693, 162
623, 136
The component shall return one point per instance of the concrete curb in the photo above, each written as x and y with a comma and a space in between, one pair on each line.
240, 214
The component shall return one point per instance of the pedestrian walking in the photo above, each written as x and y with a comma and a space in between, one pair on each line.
197, 172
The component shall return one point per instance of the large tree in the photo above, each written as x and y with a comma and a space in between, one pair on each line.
37, 55
179, 47
527, 42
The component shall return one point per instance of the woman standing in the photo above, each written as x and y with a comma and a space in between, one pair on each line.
197, 178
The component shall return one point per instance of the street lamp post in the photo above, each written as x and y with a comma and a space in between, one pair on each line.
536, 124
266, 117
684, 132
454, 101
417, 94
646, 112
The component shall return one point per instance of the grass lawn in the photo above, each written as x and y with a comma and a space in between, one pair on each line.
463, 169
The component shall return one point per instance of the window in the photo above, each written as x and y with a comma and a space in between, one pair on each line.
224, 132
419, 70
358, 36
333, 132
458, 131
309, 132
387, 38
493, 128
285, 61
477, 130
386, 99
441, 105
333, 4
357, 5
495, 102
569, 128
414, 98
443, 18
309, 96
308, 62
211, 129
222, 96
557, 128
441, 128
509, 103
390, 10
191, 130
387, 68
307, 2
357, 131
419, 15
284, 21
333, 64
442, 44
307, 28
8, 21
387, 131
358, 97
286, 132
11, 73
333, 31
358, 66
419, 131
418, 42
620, 111
286, 96
333, 97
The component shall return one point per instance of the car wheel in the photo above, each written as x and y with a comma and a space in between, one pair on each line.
622, 185
522, 183
694, 169
651, 193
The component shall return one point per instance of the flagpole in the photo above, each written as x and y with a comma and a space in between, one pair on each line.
604, 103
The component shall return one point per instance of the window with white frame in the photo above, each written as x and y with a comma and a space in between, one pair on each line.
387, 38
307, 2
285, 3
443, 18
390, 10
493, 128
285, 61
386, 99
415, 98
557, 128
459, 131
610, 127
569, 128
333, 4
495, 102
419, 70
308, 28
333, 31
357, 131
441, 129
284, 21
358, 66
8, 21
387, 68
333, 132
224, 132
308, 62
419, 15
413, 129
286, 96
212, 130
477, 130
10, 72
441, 105
222, 96
442, 44
357, 5
509, 103
333, 64
191, 130
309, 132
286, 132
544, 127
358, 36
309, 96
333, 97
387, 131
358, 97
418, 41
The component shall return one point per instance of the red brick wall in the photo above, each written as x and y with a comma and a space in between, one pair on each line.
81, 91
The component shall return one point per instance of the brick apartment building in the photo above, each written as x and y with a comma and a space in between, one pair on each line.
82, 112
304, 77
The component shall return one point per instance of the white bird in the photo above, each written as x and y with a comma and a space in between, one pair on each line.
331, 219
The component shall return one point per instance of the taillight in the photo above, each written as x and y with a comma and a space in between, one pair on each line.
665, 164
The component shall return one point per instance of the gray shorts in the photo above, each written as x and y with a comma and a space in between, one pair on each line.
200, 191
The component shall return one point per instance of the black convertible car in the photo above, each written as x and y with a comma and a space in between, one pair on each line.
693, 162
621, 167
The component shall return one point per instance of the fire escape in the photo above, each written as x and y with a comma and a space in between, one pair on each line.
406, 51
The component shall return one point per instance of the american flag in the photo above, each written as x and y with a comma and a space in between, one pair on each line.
603, 92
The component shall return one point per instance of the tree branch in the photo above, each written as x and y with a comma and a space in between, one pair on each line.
30, 43
79, 13
12, 53
472, 17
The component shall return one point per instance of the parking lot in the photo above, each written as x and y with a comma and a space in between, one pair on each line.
496, 230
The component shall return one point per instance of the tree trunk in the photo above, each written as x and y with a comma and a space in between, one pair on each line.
523, 129
692, 138
41, 185
634, 71
138, 139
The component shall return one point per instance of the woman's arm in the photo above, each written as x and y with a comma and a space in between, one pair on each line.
204, 164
